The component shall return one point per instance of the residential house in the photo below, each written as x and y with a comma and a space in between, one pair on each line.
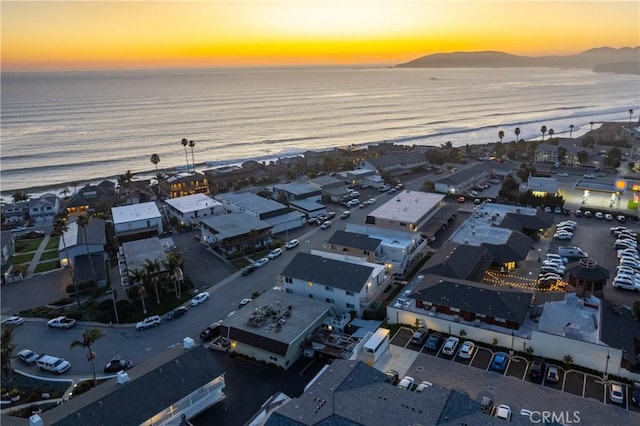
190, 209
302, 197
135, 255
137, 221
274, 327
279, 216
357, 245
397, 163
461, 181
84, 250
190, 380
229, 178
347, 282
188, 184
44, 208
15, 212
546, 153
234, 233
92, 198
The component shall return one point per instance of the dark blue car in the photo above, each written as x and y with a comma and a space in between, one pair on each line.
500, 360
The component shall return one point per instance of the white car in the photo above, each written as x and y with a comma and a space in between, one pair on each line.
608, 216
199, 298
61, 322
152, 321
563, 174
553, 256
13, 321
466, 350
558, 265
261, 262
599, 215
291, 244
28, 356
503, 412
325, 225
626, 283
450, 345
615, 394
563, 235
424, 385
275, 253
371, 201
406, 383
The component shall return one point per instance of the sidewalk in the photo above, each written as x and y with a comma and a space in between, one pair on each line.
36, 257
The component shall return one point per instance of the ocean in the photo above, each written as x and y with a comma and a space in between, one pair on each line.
63, 127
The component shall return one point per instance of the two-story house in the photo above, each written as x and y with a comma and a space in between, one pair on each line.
137, 221
44, 208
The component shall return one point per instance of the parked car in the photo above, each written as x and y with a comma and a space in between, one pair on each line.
616, 395
244, 302
291, 244
152, 321
466, 350
28, 356
325, 225
200, 298
537, 370
117, 364
345, 214
450, 346
384, 188
571, 223
275, 253
406, 383
461, 199
175, 313
608, 216
261, 262
13, 321
635, 393
433, 342
563, 174
211, 332
331, 215
61, 322
599, 215
248, 269
392, 376
500, 361
419, 336
553, 376
423, 385
621, 218
554, 256
563, 235
53, 364
589, 176
503, 412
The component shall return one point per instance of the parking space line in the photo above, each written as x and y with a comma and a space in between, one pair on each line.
584, 385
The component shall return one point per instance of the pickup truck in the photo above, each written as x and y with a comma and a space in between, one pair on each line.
61, 322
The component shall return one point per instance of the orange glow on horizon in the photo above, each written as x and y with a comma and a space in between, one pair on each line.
87, 34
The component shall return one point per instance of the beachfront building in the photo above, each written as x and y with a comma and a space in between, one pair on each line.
191, 209
44, 208
229, 178
363, 178
15, 212
187, 184
395, 164
406, 211
302, 197
84, 251
462, 181
279, 216
92, 198
349, 283
234, 233
137, 221
273, 328
190, 379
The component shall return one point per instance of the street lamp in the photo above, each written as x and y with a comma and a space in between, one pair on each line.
606, 369
112, 292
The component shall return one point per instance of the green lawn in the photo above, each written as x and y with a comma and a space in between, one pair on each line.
51, 254
53, 243
24, 246
47, 266
21, 258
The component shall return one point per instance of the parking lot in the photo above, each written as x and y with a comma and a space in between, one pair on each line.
573, 382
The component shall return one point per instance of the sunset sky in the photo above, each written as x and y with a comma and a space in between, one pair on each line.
84, 34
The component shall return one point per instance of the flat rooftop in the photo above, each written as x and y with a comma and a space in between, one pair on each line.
483, 226
135, 212
191, 203
573, 317
137, 252
408, 206
250, 202
302, 312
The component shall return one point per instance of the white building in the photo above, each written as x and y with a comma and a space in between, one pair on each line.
191, 209
137, 221
406, 211
347, 282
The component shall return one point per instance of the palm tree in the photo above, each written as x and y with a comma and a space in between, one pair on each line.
60, 227
193, 161
124, 181
501, 135
155, 159
543, 129
89, 337
173, 263
185, 142
20, 196
591, 123
83, 223
6, 349
551, 133
151, 270
570, 131
517, 132
630, 114
141, 292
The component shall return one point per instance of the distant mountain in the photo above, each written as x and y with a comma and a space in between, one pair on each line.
489, 59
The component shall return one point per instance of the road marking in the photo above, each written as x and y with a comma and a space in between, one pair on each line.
584, 385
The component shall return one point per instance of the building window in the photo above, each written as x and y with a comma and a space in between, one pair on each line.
500, 320
288, 280
454, 309
310, 283
328, 288
366, 252
403, 224
329, 300
351, 306
481, 316
273, 358
311, 296
349, 293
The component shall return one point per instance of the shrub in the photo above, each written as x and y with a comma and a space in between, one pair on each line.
70, 289
105, 305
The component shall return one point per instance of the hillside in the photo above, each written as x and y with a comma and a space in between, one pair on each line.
589, 59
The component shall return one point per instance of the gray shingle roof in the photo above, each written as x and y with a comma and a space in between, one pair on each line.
458, 261
333, 273
518, 222
620, 330
397, 158
515, 248
465, 174
352, 239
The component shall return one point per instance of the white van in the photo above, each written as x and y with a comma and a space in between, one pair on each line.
571, 251
53, 364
